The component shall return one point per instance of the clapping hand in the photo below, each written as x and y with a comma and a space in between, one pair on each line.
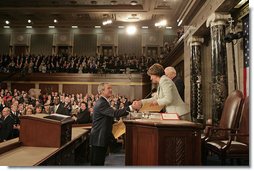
136, 105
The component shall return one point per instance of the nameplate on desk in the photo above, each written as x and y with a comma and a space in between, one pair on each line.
170, 116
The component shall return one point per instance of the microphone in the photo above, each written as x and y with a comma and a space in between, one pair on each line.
151, 92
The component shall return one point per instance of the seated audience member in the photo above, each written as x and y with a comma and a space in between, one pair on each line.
58, 107
15, 115
29, 111
21, 109
75, 108
38, 109
83, 116
46, 108
7, 125
67, 106
2, 105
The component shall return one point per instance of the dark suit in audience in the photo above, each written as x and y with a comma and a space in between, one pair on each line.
83, 116
59, 107
6, 130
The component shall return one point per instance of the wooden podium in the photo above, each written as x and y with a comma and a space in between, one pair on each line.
38, 131
162, 142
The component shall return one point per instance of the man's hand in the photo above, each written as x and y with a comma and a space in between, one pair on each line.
136, 105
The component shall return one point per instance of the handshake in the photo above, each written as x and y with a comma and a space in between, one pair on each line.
136, 105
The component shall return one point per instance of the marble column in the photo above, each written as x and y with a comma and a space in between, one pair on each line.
195, 71
219, 85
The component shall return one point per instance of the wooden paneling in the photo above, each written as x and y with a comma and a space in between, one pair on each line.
74, 89
3, 85
34, 131
133, 86
94, 89
41, 44
48, 88
5, 43
148, 136
162, 142
22, 86
81, 47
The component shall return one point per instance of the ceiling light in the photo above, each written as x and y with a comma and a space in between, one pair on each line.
7, 22
168, 27
144, 27
131, 30
74, 26
97, 26
121, 27
29, 21
106, 22
161, 23
55, 21
51, 26
134, 3
29, 27
6, 27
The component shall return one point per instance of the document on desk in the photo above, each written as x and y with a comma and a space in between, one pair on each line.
118, 129
149, 107
170, 116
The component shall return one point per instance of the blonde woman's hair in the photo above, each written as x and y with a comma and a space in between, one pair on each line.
156, 69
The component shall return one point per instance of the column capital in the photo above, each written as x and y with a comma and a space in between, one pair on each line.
195, 40
217, 19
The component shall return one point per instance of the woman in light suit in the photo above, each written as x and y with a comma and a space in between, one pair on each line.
167, 93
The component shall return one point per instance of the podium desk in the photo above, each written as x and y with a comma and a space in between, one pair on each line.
162, 142
21, 155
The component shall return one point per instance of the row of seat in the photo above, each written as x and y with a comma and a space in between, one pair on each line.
229, 139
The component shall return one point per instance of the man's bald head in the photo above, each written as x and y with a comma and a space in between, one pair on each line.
170, 72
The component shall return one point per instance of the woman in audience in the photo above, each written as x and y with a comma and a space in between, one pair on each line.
38, 109
29, 111
46, 108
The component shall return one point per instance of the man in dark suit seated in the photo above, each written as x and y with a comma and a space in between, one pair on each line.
103, 117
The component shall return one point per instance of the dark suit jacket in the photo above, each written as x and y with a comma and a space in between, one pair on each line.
103, 117
61, 109
83, 116
7, 128
179, 85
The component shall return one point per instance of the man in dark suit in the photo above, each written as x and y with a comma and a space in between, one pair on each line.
59, 107
15, 115
170, 72
103, 117
7, 125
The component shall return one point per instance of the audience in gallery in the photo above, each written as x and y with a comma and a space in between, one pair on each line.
18, 103
75, 64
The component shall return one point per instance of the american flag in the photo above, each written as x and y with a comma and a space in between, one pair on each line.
246, 51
